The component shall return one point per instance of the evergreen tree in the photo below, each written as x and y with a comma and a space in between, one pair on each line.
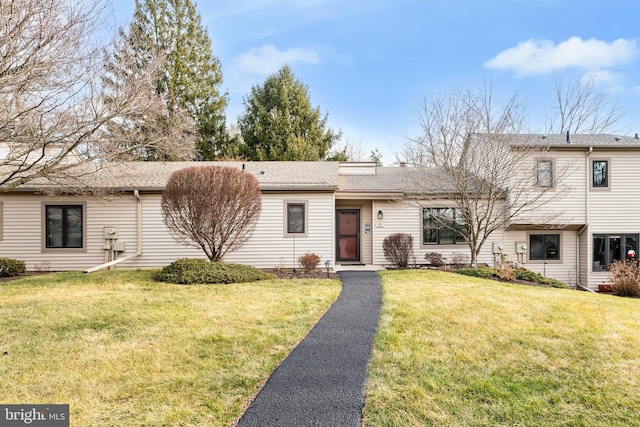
149, 130
279, 122
191, 74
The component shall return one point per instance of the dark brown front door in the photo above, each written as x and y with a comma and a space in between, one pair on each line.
348, 234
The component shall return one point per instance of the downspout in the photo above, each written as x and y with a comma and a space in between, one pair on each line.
586, 225
136, 194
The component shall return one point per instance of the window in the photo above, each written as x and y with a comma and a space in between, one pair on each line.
63, 226
608, 248
296, 223
544, 247
443, 226
545, 173
600, 174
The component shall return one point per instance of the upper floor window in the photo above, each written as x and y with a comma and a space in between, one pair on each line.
296, 223
443, 226
544, 169
600, 173
63, 226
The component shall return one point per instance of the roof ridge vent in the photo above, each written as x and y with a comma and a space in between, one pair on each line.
617, 138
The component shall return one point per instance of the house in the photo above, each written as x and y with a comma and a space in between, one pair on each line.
341, 211
596, 177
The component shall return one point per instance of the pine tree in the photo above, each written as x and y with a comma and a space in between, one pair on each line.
191, 74
148, 130
279, 122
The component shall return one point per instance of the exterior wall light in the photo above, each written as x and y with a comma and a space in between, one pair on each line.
380, 215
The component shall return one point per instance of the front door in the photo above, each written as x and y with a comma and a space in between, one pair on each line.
348, 225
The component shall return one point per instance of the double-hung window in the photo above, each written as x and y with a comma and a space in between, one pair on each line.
64, 226
443, 226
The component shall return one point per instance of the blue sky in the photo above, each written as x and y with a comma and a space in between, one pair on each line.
369, 64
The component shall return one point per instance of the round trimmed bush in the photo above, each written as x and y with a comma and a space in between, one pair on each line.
188, 271
10, 267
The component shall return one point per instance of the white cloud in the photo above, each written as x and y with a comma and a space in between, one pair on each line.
602, 76
533, 57
268, 59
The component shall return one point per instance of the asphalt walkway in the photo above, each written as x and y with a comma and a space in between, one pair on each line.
322, 382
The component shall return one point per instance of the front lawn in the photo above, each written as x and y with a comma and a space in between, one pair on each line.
455, 350
124, 350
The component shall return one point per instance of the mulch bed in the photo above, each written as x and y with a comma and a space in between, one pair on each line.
283, 273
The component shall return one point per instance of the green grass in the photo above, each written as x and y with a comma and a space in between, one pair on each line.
124, 350
462, 351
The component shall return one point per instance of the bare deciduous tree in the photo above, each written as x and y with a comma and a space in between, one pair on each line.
472, 154
53, 112
213, 208
582, 106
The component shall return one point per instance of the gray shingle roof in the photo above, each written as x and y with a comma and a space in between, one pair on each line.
578, 140
398, 179
152, 176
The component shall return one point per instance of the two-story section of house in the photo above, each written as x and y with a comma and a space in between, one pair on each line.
590, 216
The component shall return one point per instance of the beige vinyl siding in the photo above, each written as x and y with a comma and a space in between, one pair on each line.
23, 230
406, 217
266, 248
616, 210
366, 217
565, 203
565, 270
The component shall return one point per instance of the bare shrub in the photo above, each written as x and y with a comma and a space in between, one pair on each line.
435, 259
398, 248
459, 259
625, 279
43, 267
507, 271
309, 261
212, 208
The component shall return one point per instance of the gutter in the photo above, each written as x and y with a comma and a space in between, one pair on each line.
136, 194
